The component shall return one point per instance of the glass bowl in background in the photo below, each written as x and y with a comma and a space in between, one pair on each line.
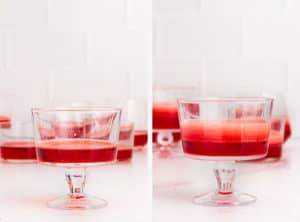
6, 108
280, 126
126, 136
126, 143
17, 142
165, 119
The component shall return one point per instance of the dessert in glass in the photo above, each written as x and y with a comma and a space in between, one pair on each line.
280, 127
5, 122
223, 132
6, 108
165, 122
75, 139
125, 145
17, 143
140, 138
140, 125
126, 136
287, 129
276, 138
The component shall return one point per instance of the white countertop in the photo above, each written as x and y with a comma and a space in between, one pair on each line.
25, 189
276, 185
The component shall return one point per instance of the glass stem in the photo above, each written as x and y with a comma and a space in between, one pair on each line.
165, 138
76, 180
225, 174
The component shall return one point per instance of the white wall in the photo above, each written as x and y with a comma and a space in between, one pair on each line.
230, 47
65, 50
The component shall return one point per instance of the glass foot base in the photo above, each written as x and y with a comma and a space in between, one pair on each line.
80, 203
217, 199
167, 154
15, 161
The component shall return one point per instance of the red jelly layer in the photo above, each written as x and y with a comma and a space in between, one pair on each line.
18, 150
275, 144
287, 129
76, 151
225, 149
124, 154
225, 138
165, 115
140, 137
5, 122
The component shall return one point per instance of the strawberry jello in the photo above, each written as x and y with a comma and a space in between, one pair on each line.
236, 139
165, 115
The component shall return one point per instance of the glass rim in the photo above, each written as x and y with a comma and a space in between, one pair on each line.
77, 109
225, 99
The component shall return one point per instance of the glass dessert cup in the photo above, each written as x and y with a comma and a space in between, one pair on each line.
75, 139
166, 131
276, 138
5, 122
140, 139
224, 133
125, 145
140, 120
17, 143
280, 118
6, 108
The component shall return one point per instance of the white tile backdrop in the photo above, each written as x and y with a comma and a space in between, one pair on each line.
230, 47
66, 50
